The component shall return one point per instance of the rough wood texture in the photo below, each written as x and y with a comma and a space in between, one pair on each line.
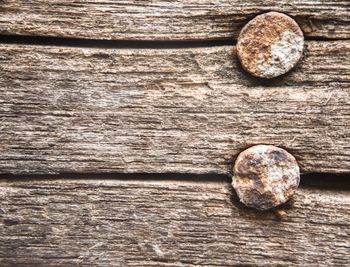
171, 110
165, 20
173, 223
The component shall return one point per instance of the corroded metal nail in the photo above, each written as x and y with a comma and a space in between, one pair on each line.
265, 176
270, 45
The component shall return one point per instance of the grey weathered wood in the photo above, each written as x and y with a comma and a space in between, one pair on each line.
165, 20
171, 110
105, 222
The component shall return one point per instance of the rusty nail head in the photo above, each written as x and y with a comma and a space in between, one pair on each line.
270, 45
265, 176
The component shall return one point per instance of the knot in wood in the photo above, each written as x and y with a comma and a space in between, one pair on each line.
265, 176
270, 45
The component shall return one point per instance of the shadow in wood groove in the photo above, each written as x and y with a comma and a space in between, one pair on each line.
122, 44
326, 181
312, 180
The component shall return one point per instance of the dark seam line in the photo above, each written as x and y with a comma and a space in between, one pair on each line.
125, 44
119, 176
120, 44
326, 181
323, 39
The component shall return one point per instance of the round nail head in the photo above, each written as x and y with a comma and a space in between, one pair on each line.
270, 45
265, 176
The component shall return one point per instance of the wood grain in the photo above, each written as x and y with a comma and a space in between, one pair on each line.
165, 20
108, 222
172, 110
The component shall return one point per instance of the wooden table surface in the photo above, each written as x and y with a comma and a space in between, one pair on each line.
120, 122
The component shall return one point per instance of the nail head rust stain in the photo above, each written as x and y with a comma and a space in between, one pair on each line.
265, 176
270, 45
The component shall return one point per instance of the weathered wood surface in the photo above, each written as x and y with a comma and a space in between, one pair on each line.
172, 110
107, 222
165, 20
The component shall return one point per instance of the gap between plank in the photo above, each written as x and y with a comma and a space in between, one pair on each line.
120, 44
123, 44
327, 181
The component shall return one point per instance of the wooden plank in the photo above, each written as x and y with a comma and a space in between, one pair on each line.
173, 110
104, 222
165, 20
